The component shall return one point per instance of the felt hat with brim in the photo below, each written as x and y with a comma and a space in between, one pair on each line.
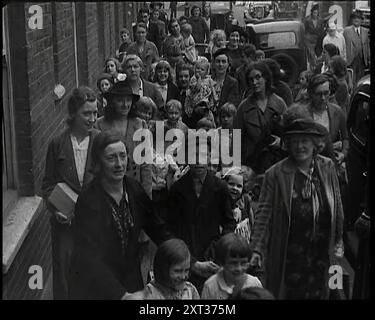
304, 126
123, 89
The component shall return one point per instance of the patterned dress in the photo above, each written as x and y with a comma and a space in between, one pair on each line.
307, 260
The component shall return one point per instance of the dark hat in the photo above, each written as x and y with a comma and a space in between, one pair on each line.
219, 52
355, 14
121, 88
304, 126
106, 76
233, 28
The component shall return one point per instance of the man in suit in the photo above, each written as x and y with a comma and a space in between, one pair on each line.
151, 28
132, 67
357, 46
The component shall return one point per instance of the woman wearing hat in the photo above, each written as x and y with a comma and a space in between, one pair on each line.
119, 116
298, 227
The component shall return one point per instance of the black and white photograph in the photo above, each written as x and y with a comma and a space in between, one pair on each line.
213, 151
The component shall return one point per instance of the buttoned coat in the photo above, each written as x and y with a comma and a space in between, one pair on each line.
140, 172
252, 126
272, 218
99, 269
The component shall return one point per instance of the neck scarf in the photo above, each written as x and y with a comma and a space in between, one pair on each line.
309, 191
123, 221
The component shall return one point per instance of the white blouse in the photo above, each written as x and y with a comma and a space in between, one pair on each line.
80, 155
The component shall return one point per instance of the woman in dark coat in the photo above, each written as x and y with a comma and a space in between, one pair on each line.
120, 116
234, 49
259, 117
201, 32
314, 28
69, 161
298, 227
110, 215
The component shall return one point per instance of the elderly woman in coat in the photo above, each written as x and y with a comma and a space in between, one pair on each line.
298, 227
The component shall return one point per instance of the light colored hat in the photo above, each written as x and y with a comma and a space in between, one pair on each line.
332, 26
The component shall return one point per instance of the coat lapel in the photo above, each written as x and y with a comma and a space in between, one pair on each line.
286, 182
67, 153
88, 170
327, 186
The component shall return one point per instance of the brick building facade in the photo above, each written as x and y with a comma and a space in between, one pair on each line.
69, 49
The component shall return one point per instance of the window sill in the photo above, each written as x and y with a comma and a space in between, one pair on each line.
17, 225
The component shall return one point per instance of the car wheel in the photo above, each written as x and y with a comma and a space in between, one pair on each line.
289, 65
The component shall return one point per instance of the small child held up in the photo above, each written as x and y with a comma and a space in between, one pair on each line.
173, 110
233, 254
226, 117
217, 41
189, 43
201, 88
171, 271
104, 84
241, 201
259, 55
125, 43
301, 95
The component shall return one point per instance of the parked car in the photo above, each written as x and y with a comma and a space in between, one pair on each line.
281, 40
358, 124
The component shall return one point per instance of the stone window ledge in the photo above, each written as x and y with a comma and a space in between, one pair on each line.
17, 225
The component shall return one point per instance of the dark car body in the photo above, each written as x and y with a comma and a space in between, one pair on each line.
283, 41
357, 160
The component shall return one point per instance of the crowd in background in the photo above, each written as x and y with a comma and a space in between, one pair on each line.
169, 230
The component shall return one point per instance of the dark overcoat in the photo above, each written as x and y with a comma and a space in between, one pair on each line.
272, 218
99, 269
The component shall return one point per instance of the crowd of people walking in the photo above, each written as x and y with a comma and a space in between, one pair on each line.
168, 229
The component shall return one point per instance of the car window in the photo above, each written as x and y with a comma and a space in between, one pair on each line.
278, 40
361, 120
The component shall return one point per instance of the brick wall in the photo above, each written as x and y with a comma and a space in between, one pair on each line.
36, 250
40, 59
